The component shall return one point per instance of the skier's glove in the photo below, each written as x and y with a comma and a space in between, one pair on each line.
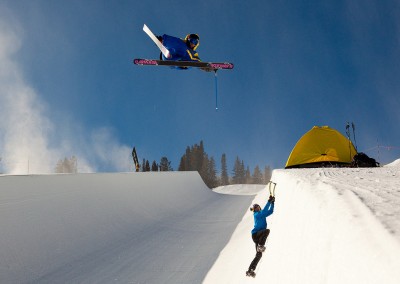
271, 199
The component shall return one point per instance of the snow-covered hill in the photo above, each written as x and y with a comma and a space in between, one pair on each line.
113, 228
329, 226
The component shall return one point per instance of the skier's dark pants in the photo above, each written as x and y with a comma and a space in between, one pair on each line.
259, 238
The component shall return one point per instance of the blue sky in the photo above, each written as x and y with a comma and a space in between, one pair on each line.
69, 86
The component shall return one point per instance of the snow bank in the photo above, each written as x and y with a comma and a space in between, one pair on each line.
394, 164
240, 189
104, 228
329, 226
323, 230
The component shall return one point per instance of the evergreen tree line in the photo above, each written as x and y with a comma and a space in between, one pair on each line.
68, 165
163, 166
196, 159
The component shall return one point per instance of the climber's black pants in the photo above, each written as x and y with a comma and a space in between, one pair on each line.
259, 238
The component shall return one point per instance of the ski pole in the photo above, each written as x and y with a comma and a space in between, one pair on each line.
216, 89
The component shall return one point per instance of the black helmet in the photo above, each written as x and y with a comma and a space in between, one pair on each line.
255, 207
192, 39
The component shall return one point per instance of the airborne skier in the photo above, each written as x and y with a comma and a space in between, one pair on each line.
260, 232
180, 50
181, 54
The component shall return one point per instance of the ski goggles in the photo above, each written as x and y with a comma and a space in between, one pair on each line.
194, 41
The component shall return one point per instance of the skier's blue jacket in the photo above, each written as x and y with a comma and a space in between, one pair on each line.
178, 49
260, 217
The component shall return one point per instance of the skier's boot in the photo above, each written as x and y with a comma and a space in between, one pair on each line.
260, 248
250, 273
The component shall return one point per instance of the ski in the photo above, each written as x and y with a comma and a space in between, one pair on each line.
163, 49
212, 66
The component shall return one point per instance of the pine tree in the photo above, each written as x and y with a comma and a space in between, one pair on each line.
236, 170
212, 174
165, 165
204, 168
188, 159
154, 167
224, 171
196, 159
243, 173
257, 176
239, 174
182, 164
248, 178
143, 165
267, 174
67, 165
193, 159
147, 166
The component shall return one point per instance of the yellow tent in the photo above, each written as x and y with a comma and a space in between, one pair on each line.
321, 146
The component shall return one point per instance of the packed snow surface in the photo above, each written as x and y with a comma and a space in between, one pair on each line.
329, 226
113, 228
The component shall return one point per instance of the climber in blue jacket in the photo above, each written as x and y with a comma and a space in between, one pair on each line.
260, 232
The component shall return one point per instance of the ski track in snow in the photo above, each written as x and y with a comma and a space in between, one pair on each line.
377, 188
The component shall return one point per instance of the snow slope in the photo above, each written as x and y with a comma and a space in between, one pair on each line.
113, 228
329, 226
